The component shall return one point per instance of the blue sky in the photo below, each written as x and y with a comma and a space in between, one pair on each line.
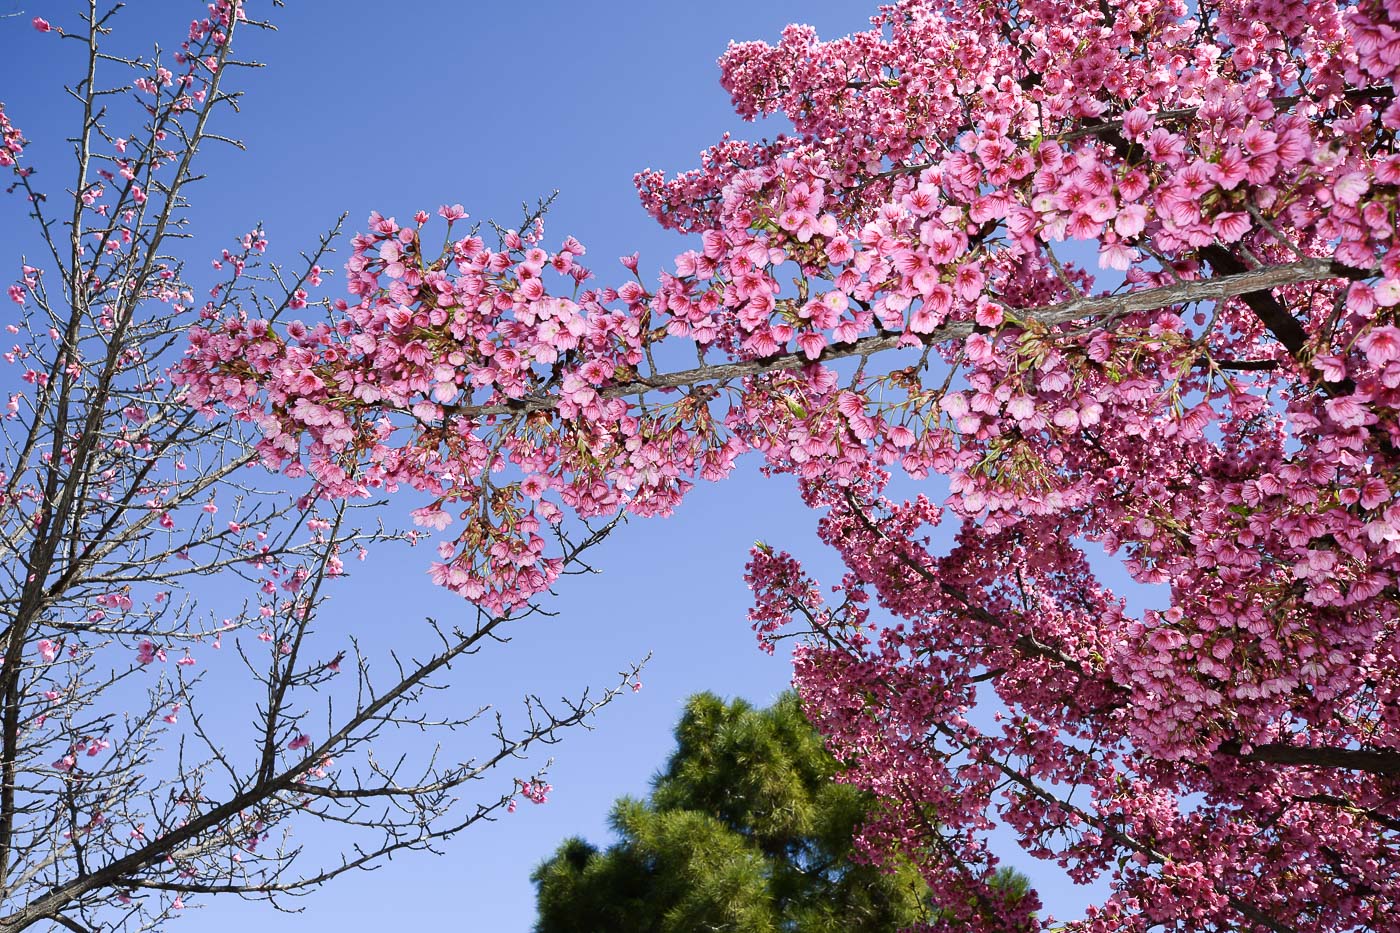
366, 106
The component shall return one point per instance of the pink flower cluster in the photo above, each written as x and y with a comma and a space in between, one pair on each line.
536, 791
428, 382
11, 142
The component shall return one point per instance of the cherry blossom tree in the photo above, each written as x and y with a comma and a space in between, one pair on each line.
127, 784
1119, 274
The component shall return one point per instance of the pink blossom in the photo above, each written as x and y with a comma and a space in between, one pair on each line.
1382, 345
1350, 187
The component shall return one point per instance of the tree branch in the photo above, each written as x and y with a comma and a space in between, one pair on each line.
1218, 288
1372, 761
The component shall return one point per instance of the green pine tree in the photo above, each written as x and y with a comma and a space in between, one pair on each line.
744, 831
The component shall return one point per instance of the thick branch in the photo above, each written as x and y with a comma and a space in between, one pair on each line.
1147, 299
1286, 329
1372, 761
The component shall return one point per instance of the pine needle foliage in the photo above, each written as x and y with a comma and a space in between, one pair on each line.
745, 831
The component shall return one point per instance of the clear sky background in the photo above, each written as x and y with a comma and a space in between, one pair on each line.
396, 107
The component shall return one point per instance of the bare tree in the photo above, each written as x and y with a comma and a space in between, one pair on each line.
120, 794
